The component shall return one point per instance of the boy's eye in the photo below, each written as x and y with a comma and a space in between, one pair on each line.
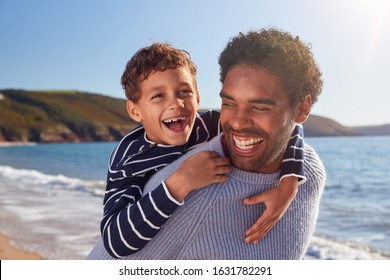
158, 95
184, 91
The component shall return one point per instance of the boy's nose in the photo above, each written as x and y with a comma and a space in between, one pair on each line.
176, 103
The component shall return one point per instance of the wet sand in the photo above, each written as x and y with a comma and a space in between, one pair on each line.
10, 252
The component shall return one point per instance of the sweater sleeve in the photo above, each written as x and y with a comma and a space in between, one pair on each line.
292, 163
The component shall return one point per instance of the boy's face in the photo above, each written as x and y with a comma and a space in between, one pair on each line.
167, 106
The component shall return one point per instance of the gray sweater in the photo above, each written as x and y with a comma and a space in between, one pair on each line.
212, 222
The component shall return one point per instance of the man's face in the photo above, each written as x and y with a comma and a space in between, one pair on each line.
257, 119
167, 107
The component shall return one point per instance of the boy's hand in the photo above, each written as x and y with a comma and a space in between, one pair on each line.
196, 172
276, 200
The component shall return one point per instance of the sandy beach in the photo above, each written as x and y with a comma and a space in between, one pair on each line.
9, 252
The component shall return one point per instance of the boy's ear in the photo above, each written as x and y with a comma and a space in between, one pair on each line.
303, 110
198, 98
132, 110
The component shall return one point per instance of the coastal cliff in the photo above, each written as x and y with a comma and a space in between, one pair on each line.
61, 116
74, 116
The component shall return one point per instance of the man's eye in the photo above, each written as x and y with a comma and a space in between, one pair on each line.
260, 108
227, 104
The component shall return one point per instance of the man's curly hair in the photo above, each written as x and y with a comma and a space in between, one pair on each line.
156, 57
281, 54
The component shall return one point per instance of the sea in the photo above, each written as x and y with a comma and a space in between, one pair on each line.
51, 197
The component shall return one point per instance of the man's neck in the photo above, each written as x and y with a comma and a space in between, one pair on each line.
225, 147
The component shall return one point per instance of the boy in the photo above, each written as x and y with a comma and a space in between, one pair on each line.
160, 85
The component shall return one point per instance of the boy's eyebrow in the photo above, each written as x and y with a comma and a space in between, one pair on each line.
162, 87
254, 100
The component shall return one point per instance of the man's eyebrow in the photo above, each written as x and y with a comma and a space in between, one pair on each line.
224, 95
265, 101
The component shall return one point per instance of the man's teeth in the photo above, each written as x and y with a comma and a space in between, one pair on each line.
174, 120
247, 144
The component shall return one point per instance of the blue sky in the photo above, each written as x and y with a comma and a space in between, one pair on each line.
84, 45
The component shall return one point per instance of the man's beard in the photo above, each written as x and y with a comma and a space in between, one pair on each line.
273, 152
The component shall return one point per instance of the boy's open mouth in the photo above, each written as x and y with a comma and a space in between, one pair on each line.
176, 124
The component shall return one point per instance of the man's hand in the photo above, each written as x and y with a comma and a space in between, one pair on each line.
276, 200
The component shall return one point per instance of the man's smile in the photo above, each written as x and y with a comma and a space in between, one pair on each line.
246, 143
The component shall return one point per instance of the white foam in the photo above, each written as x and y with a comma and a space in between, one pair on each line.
59, 217
327, 249
53, 215
26, 178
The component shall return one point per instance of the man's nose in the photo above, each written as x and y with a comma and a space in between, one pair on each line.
241, 119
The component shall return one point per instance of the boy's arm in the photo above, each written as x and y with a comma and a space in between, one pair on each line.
292, 164
131, 220
277, 200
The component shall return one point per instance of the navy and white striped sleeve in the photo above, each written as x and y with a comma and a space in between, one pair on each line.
130, 220
135, 219
292, 163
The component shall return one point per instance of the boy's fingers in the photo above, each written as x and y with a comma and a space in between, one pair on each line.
259, 229
221, 161
213, 154
257, 225
218, 157
258, 198
222, 170
220, 178
258, 235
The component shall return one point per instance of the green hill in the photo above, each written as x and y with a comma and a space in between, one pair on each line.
321, 126
374, 130
61, 116
73, 116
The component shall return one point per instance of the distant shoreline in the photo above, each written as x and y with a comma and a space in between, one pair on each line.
9, 143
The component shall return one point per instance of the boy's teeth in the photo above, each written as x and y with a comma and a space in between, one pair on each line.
173, 120
246, 144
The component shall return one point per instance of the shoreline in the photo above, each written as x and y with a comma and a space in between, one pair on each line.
9, 252
10, 144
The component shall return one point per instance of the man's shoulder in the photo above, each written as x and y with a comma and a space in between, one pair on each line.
314, 168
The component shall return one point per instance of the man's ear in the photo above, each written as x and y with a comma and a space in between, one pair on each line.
133, 111
303, 110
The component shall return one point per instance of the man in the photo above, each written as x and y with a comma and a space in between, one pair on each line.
270, 81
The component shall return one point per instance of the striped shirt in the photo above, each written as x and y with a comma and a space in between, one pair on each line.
130, 218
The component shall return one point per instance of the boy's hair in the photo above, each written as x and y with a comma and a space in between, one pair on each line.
156, 57
281, 54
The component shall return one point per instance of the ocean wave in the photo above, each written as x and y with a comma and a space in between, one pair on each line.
325, 248
29, 177
320, 248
